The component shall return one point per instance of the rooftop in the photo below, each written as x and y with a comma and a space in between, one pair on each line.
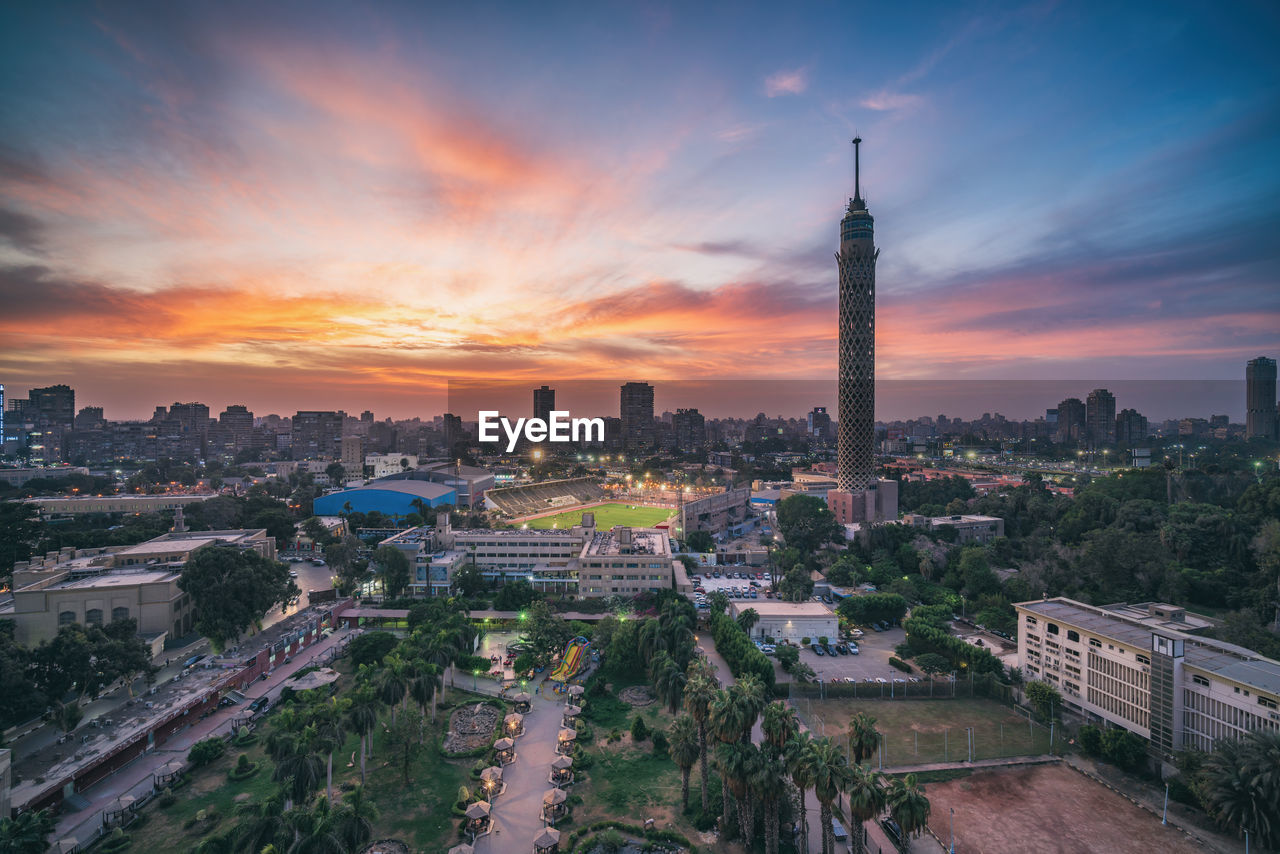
774, 608
118, 578
1134, 624
420, 488
624, 541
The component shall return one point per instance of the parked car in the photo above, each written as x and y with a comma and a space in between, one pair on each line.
892, 830
853, 649
842, 649
831, 652
817, 649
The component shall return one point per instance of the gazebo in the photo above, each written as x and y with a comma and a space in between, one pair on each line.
575, 693
506, 751
553, 807
491, 779
478, 821
564, 744
514, 724
561, 771
570, 713
547, 841
523, 702
66, 845
168, 773
117, 812
464, 848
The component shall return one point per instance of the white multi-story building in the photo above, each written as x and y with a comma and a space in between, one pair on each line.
577, 561
1143, 667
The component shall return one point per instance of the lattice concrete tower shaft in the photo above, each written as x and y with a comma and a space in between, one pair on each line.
856, 261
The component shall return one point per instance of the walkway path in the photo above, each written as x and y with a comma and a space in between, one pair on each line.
517, 813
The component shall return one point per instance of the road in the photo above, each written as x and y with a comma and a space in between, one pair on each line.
83, 824
112, 703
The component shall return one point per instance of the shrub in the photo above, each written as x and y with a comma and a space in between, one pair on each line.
900, 664
659, 742
244, 769
805, 640
167, 799
639, 732
822, 639
118, 840
205, 751
614, 735
1090, 738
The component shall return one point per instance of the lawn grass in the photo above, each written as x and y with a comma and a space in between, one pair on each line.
607, 515
917, 732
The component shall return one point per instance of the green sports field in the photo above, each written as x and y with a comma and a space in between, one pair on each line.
607, 515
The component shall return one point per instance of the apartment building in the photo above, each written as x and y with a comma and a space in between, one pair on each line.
1143, 667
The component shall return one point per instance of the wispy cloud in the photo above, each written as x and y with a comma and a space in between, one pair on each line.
792, 81
886, 101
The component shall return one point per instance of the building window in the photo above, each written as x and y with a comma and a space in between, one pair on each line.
1142, 659
1199, 680
93, 616
1073, 635
1095, 642
66, 618
1053, 628
1268, 702
119, 614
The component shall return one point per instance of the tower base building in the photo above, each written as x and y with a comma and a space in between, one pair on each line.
876, 503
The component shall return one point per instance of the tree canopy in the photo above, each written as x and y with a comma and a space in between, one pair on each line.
233, 589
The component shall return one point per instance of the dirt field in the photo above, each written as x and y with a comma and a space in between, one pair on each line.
1046, 808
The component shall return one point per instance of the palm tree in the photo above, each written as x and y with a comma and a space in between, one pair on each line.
770, 781
313, 830
699, 692
393, 680
831, 776
682, 739
668, 680
1240, 785
799, 756
362, 717
908, 806
863, 737
423, 686
26, 834
297, 764
748, 619
327, 716
353, 820
779, 725
749, 693
736, 761
261, 824
867, 799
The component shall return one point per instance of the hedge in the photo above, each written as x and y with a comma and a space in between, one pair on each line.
741, 654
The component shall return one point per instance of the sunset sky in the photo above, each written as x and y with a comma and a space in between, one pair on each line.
346, 206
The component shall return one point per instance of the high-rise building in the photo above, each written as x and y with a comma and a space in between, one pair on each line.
544, 401
690, 428
1100, 417
3, 435
53, 412
636, 412
820, 423
1260, 399
1131, 427
317, 435
859, 497
1071, 420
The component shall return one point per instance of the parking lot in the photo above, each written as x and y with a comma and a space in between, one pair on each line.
710, 583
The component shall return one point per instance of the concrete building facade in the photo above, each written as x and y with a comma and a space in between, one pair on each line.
793, 621
1143, 667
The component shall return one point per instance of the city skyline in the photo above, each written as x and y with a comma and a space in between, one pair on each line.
350, 210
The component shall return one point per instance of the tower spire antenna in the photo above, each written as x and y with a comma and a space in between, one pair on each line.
857, 190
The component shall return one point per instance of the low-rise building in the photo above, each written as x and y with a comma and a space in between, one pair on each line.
793, 621
80, 504
969, 529
98, 586
1143, 667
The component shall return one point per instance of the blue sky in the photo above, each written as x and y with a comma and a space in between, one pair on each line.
323, 204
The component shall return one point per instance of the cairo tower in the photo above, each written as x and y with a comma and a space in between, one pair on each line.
859, 497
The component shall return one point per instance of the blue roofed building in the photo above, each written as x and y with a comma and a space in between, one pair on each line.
393, 498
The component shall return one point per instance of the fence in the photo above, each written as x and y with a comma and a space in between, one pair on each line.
924, 733
903, 688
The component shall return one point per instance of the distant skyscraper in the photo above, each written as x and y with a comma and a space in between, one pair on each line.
317, 435
1100, 417
859, 497
636, 411
54, 412
1260, 399
820, 423
2, 434
690, 429
1071, 420
1131, 427
544, 401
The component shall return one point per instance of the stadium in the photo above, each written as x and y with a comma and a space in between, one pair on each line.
561, 503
